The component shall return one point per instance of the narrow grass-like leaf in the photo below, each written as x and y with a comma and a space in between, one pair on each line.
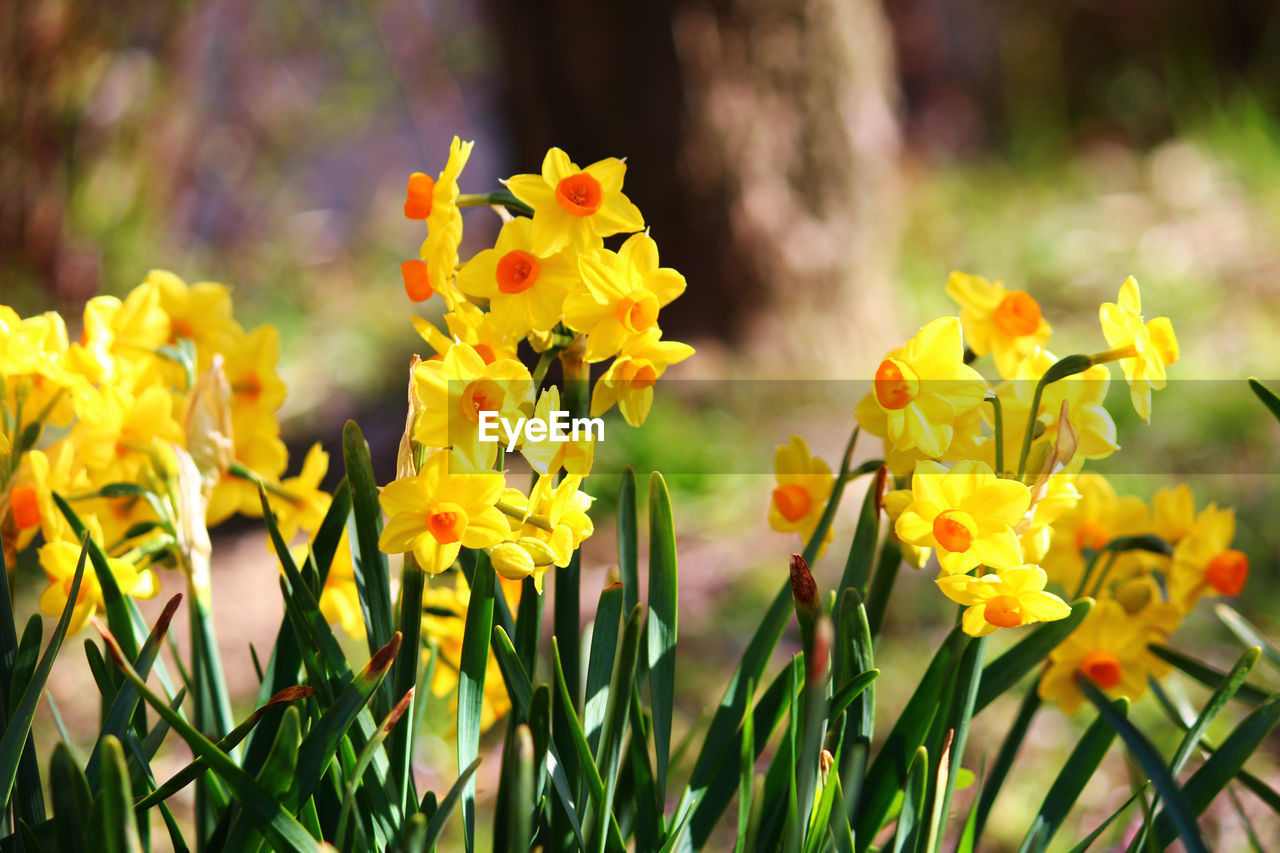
369, 564
72, 799
1008, 752
960, 715
1247, 632
1233, 681
1148, 758
628, 539
817, 671
29, 802
1267, 396
1212, 776
523, 800
649, 817
746, 775
113, 600
523, 696
278, 825
1007, 670
126, 700
662, 622
116, 831
912, 819
888, 773
366, 757
866, 537
447, 805
18, 726
404, 678
474, 659
882, 581
608, 755
1089, 839
1072, 779
1207, 675
604, 645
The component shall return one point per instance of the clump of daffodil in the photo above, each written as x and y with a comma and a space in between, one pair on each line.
525, 292
435, 200
922, 389
629, 380
622, 294
469, 324
804, 486
436, 512
1204, 563
1144, 349
1005, 323
576, 207
453, 392
1173, 513
1109, 648
1006, 599
966, 514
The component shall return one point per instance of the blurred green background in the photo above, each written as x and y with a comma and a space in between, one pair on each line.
815, 169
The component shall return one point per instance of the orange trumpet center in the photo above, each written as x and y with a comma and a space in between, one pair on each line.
1003, 611
447, 522
517, 271
638, 314
417, 284
1227, 572
25, 506
483, 395
1017, 314
1102, 668
896, 384
580, 194
951, 532
793, 501
418, 196
1092, 535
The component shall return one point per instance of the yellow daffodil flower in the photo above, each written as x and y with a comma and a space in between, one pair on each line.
306, 504
547, 456
1144, 349
804, 485
562, 508
456, 389
622, 294
468, 324
1006, 599
1005, 323
575, 207
924, 387
59, 559
525, 292
199, 312
895, 501
1173, 513
436, 201
967, 514
1084, 393
1109, 648
436, 512
629, 380
1098, 517
1204, 563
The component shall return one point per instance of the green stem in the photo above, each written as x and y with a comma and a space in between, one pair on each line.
1005, 758
498, 198
1063, 368
997, 415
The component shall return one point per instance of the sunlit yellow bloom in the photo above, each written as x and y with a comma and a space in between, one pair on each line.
1084, 393
34, 364
120, 337
1148, 347
456, 389
257, 391
547, 456
436, 201
306, 505
1173, 512
444, 612
1096, 519
895, 501
31, 509
1109, 648
59, 559
1204, 563
629, 380
469, 324
804, 485
525, 292
967, 439
924, 387
340, 598
622, 295
561, 507
436, 513
573, 206
1059, 497
115, 429
1008, 599
1005, 323
967, 514
200, 312
260, 450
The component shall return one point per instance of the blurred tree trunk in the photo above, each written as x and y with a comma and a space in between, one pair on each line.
762, 145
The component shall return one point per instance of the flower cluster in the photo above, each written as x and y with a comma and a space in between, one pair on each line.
158, 422
994, 486
549, 282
